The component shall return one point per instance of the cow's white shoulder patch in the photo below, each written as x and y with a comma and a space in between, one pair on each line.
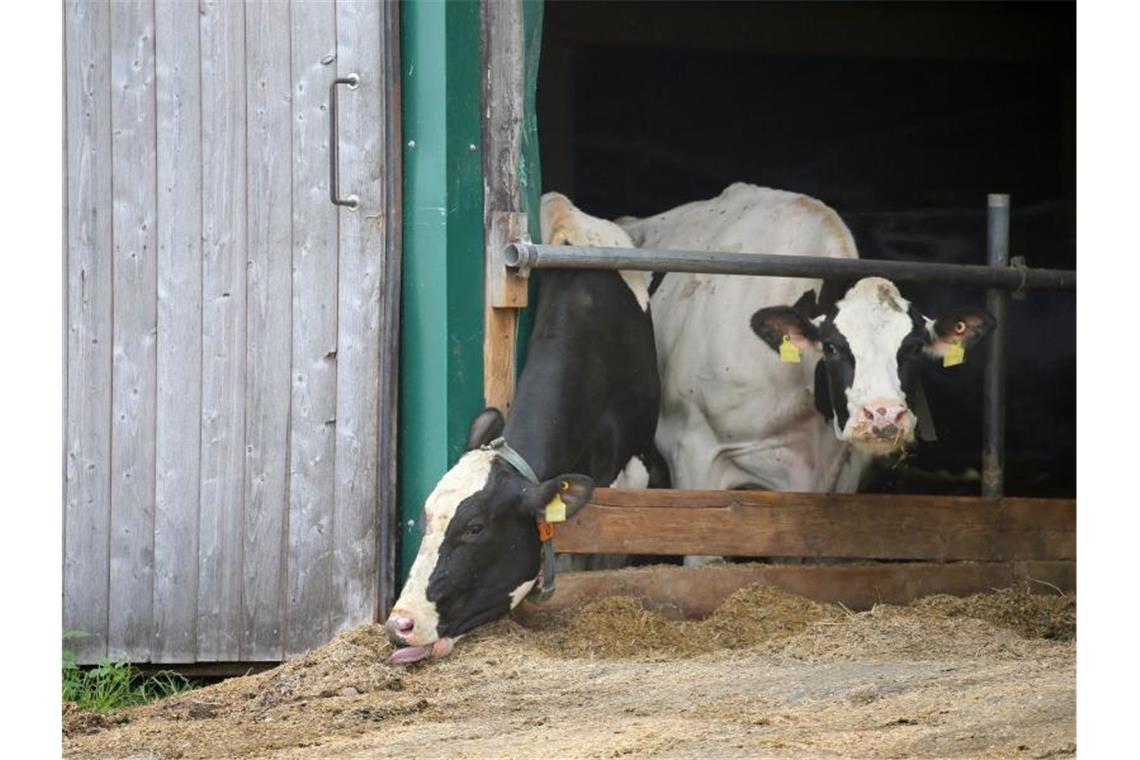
633, 475
564, 224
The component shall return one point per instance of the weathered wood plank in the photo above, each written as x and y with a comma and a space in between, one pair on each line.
503, 294
390, 312
87, 505
758, 523
133, 173
312, 451
500, 328
179, 232
222, 51
694, 592
362, 243
268, 327
500, 38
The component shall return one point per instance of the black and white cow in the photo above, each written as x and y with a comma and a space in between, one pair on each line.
733, 414
585, 411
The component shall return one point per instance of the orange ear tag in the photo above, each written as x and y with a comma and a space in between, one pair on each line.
954, 355
556, 510
788, 351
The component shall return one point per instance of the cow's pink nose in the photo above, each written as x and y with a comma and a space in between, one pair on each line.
399, 628
885, 416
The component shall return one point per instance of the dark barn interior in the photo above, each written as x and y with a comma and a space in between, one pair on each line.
900, 116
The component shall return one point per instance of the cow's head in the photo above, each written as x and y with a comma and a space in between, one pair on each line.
480, 550
872, 340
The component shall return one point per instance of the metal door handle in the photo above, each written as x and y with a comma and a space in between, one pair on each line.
351, 202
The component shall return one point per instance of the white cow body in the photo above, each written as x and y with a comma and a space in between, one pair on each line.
732, 414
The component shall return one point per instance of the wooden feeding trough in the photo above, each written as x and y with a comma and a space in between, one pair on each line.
857, 549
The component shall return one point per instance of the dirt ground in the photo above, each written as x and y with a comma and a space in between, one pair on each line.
769, 675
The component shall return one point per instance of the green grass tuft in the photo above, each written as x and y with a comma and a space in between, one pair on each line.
114, 684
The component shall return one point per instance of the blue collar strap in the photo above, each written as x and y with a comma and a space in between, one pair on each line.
544, 584
503, 451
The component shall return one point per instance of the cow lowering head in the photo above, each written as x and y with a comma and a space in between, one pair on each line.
872, 340
480, 550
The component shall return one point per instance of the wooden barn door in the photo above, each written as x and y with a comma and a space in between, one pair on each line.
231, 334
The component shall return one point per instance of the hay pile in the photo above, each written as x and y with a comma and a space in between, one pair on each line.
507, 678
621, 627
1035, 616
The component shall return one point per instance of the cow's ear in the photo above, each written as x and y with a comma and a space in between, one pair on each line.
569, 491
774, 322
964, 328
486, 427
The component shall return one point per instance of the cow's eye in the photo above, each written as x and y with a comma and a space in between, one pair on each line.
474, 529
829, 348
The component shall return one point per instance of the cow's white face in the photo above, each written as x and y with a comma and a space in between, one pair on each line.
871, 342
414, 617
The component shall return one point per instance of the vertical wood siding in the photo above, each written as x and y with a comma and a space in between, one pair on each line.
178, 444
87, 498
134, 326
269, 330
313, 397
222, 478
229, 334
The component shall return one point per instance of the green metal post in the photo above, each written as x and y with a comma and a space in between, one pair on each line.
441, 329
441, 332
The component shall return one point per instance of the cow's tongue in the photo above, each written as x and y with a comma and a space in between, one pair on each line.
439, 648
404, 655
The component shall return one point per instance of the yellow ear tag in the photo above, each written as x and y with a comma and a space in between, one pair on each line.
788, 351
954, 355
556, 510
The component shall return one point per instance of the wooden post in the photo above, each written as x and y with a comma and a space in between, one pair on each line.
501, 46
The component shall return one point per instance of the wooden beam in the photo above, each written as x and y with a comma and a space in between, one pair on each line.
501, 90
504, 294
866, 526
694, 592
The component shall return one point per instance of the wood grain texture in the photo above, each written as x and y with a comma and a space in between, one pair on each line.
389, 512
179, 367
133, 381
695, 592
222, 36
500, 328
506, 289
504, 294
231, 339
758, 523
501, 94
268, 327
312, 449
362, 243
312, 444
87, 500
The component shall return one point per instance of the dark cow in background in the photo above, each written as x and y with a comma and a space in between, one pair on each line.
734, 415
585, 412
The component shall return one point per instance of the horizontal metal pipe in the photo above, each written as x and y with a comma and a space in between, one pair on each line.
525, 256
